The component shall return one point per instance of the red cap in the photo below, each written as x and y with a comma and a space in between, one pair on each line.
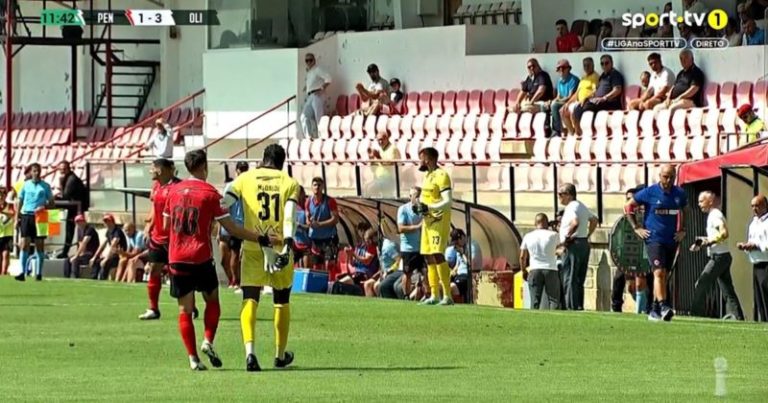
108, 217
80, 218
743, 109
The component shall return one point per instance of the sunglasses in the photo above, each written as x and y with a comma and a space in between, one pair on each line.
309, 60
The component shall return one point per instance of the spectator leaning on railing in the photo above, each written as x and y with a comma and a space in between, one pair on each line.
161, 142
754, 125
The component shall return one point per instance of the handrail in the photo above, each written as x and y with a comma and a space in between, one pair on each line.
131, 129
272, 109
259, 141
498, 161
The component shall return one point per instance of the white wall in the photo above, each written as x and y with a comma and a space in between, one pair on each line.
495, 39
241, 83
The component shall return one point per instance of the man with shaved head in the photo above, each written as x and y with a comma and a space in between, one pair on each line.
663, 204
719, 266
537, 257
757, 248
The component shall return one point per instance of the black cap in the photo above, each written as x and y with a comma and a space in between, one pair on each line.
372, 67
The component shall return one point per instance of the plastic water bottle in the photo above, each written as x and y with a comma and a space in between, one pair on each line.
721, 368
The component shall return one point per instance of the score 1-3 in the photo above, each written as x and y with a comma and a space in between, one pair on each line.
157, 18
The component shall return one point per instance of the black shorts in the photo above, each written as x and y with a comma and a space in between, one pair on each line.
187, 278
412, 262
661, 256
235, 244
28, 227
325, 249
299, 253
462, 283
157, 253
6, 244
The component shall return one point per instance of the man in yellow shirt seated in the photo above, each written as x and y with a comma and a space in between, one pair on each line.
753, 124
587, 86
383, 184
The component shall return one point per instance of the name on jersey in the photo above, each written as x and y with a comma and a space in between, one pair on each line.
268, 188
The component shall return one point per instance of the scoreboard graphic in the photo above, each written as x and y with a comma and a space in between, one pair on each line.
136, 17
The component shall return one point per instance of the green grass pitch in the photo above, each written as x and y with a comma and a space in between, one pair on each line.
80, 341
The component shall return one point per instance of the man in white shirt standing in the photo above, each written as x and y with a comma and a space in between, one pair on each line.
577, 225
317, 80
161, 142
719, 266
538, 255
757, 248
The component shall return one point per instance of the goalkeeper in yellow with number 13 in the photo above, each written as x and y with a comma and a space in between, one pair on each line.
435, 207
269, 198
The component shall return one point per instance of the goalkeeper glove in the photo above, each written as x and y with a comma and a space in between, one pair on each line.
420, 208
264, 241
284, 258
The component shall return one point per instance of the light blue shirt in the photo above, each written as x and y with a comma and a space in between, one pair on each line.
235, 211
34, 195
566, 88
388, 254
757, 39
459, 261
136, 241
409, 241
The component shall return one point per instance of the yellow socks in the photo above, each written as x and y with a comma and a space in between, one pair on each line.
445, 278
434, 284
282, 325
248, 324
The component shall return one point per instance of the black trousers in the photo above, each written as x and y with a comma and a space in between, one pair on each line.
617, 290
575, 264
761, 290
544, 280
718, 269
70, 269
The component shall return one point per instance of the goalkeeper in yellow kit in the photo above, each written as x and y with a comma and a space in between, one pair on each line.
435, 205
269, 197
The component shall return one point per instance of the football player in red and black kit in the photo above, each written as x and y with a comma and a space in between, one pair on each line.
163, 175
189, 214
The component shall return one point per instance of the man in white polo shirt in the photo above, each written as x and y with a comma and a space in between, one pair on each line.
719, 266
317, 80
576, 226
757, 248
538, 254
662, 80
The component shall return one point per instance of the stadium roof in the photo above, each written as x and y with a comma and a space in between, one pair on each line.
710, 168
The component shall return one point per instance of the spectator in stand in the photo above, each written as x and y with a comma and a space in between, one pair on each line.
88, 244
754, 125
645, 81
757, 249
538, 260
462, 266
695, 6
607, 96
409, 228
687, 90
375, 95
742, 12
396, 95
35, 196
733, 32
756, 8
301, 242
383, 184
660, 82
606, 30
687, 33
117, 243
322, 217
566, 88
133, 257
73, 198
317, 81
161, 142
584, 91
566, 42
665, 30
536, 90
752, 34
7, 226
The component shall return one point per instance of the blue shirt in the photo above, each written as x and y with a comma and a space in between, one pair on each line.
136, 241
235, 211
388, 254
757, 39
566, 88
409, 241
661, 210
459, 261
34, 195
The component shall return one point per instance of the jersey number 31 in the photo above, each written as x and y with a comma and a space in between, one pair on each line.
266, 212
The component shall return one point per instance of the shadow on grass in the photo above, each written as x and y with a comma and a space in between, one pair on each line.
353, 369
